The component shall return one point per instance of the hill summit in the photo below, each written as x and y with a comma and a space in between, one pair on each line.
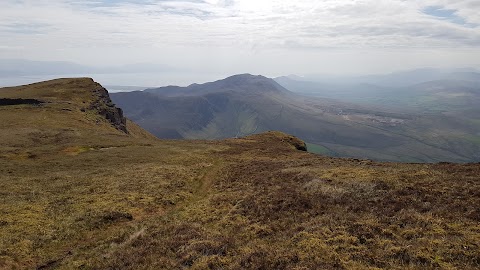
240, 84
82, 94
62, 113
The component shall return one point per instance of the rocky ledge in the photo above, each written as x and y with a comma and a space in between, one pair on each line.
105, 107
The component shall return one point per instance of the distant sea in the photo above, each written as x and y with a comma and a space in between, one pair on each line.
118, 82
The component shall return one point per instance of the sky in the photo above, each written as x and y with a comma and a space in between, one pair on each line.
269, 37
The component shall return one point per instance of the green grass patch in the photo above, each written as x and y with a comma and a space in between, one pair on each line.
475, 122
317, 149
474, 139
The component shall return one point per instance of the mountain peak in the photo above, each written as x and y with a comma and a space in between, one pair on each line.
240, 83
234, 79
243, 79
249, 83
246, 76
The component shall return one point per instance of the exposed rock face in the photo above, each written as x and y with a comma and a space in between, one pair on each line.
297, 143
105, 107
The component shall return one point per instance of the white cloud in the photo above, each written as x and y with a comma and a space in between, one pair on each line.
239, 33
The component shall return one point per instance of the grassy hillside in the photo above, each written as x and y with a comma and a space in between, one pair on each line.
73, 113
77, 193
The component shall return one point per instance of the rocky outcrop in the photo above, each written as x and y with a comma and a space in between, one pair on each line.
297, 143
274, 137
105, 107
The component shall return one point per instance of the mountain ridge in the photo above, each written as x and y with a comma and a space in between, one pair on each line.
245, 104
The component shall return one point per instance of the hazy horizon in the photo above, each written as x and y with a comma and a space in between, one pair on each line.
125, 78
272, 38
141, 78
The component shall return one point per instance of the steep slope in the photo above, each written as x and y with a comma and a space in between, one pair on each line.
77, 193
94, 97
65, 114
221, 109
245, 104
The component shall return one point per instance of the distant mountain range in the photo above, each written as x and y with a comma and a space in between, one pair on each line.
395, 79
245, 104
21, 67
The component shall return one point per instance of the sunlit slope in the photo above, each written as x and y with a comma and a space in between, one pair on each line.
67, 113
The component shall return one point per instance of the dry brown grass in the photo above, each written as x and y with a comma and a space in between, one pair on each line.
78, 194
